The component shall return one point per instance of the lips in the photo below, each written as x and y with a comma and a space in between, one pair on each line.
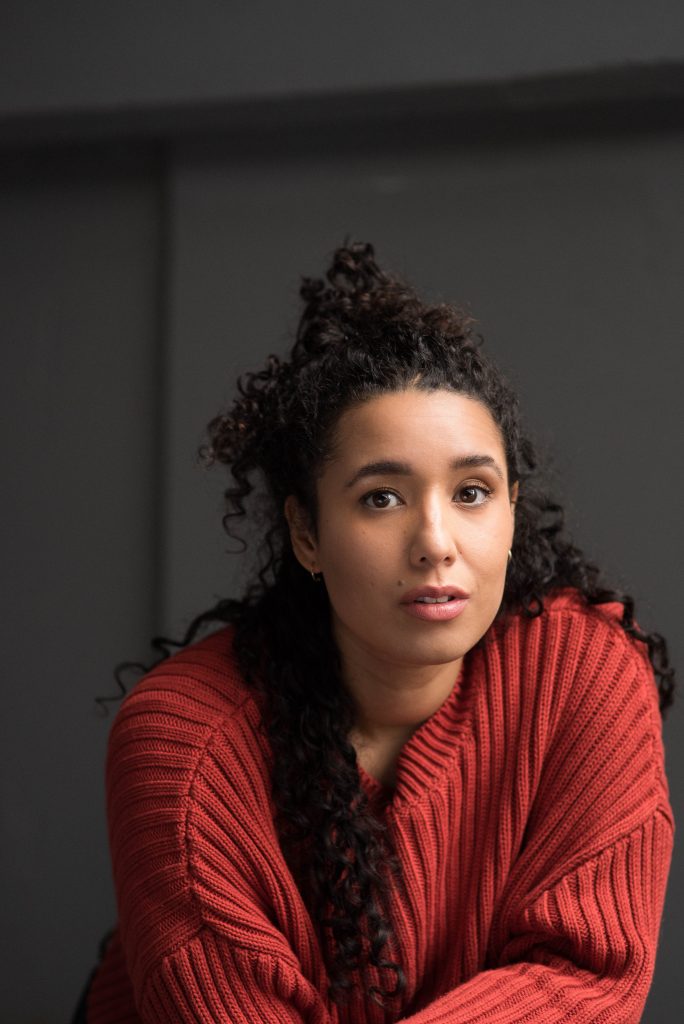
434, 604
434, 594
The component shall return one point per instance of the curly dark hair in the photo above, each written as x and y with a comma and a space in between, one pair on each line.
362, 333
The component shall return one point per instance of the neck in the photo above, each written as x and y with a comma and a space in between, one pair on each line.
391, 699
391, 702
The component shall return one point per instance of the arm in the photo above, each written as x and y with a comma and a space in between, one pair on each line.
212, 926
209, 979
582, 950
575, 931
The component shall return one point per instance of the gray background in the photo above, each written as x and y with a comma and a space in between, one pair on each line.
165, 181
101, 54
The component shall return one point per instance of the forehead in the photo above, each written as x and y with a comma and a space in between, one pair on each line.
416, 424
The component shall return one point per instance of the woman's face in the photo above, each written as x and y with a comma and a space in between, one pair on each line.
415, 521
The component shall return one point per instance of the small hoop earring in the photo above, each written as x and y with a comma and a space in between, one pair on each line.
316, 576
510, 556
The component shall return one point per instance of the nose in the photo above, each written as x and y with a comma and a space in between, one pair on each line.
433, 541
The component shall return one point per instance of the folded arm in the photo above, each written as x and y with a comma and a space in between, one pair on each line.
583, 950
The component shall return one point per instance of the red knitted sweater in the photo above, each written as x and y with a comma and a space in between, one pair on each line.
530, 814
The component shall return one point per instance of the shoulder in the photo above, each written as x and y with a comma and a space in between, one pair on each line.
567, 628
577, 660
567, 605
189, 704
581, 711
584, 722
205, 672
201, 686
186, 750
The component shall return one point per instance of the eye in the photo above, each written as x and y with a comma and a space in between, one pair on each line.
474, 494
381, 499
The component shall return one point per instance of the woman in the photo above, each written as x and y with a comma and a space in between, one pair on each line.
419, 775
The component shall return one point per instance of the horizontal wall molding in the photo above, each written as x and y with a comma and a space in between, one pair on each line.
633, 97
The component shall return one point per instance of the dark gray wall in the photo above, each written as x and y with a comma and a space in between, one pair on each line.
78, 294
73, 55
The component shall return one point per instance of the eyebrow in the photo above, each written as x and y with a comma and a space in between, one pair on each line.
386, 467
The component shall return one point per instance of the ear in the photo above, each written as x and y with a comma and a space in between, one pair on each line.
301, 536
513, 500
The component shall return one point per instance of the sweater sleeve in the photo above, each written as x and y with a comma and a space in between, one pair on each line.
582, 950
212, 926
210, 979
576, 929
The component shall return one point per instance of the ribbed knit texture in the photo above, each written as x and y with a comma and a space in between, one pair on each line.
530, 814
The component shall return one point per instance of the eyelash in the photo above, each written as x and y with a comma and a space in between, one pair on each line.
488, 492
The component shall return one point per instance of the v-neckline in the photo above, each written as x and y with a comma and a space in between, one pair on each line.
426, 753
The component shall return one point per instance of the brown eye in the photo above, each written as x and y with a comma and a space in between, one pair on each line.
474, 494
380, 499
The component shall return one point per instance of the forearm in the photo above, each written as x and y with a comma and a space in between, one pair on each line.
582, 950
209, 980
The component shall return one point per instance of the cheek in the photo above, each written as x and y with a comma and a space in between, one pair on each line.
353, 560
488, 549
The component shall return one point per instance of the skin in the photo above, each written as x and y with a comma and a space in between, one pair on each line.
383, 534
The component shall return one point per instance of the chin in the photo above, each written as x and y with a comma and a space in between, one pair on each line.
431, 651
